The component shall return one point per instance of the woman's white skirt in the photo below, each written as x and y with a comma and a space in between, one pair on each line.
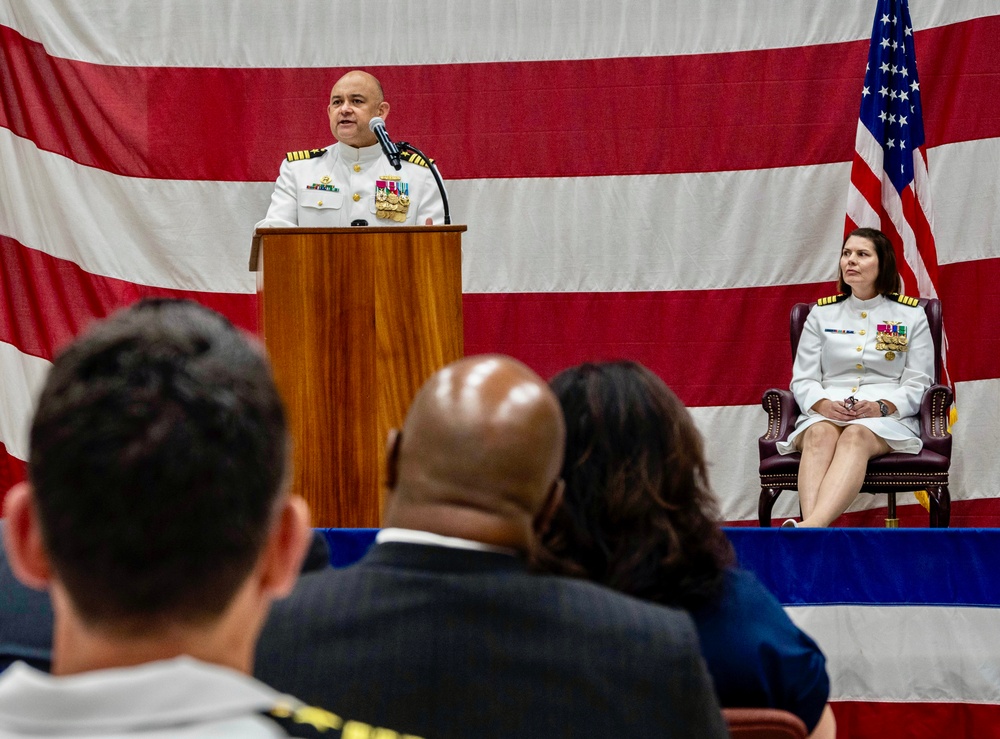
899, 433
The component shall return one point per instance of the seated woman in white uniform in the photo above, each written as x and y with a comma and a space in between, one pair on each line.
864, 360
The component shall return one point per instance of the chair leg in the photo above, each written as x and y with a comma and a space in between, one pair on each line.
891, 519
940, 506
764, 505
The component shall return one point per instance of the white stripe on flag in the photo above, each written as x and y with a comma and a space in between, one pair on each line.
311, 33
184, 234
195, 235
23, 376
732, 466
907, 653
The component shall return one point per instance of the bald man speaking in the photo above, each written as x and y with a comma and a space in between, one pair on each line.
442, 630
352, 182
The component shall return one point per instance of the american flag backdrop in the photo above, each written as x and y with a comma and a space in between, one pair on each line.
890, 186
657, 180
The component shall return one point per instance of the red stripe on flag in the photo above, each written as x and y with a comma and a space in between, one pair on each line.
970, 298
875, 720
711, 346
693, 113
869, 184
902, 266
714, 347
12, 471
979, 513
914, 215
922, 227
47, 300
959, 72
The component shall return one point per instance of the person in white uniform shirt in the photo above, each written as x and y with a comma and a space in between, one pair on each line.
352, 180
158, 518
864, 360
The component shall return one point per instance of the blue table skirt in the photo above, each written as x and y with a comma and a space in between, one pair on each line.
836, 566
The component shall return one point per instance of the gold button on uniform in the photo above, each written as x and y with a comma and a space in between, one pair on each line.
854, 390
357, 197
319, 203
859, 348
357, 167
860, 366
862, 332
864, 315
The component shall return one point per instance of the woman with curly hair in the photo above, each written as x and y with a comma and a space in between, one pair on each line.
638, 515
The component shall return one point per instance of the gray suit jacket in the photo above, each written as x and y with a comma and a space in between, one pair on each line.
443, 642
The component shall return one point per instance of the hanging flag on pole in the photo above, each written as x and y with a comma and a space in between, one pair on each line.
890, 188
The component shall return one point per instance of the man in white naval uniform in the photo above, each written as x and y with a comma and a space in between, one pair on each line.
353, 180
158, 518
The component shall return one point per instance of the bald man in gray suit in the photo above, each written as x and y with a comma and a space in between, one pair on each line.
442, 630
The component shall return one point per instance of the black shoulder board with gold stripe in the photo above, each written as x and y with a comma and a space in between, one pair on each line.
298, 156
904, 299
307, 721
413, 158
832, 299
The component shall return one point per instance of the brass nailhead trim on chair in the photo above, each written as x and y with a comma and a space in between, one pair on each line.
772, 419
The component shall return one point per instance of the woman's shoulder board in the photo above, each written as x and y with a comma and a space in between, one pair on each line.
904, 299
832, 299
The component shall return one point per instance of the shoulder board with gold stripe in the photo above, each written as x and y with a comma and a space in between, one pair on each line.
904, 299
832, 299
309, 722
298, 156
305, 721
413, 158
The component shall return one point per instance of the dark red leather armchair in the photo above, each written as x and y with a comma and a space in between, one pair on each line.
889, 474
763, 723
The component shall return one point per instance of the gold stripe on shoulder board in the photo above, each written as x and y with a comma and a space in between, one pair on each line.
907, 300
298, 156
831, 299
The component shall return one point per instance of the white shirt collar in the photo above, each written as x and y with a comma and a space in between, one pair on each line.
869, 304
364, 154
411, 536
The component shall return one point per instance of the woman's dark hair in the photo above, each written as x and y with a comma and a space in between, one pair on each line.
888, 280
638, 514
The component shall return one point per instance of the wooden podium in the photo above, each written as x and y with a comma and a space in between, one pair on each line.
354, 321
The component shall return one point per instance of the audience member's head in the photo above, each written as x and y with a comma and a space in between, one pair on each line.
156, 496
479, 454
638, 514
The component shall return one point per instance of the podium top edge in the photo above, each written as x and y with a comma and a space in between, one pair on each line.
362, 229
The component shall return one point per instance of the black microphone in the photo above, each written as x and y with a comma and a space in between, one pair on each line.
391, 151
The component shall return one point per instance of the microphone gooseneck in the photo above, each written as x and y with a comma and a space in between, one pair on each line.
408, 147
391, 151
